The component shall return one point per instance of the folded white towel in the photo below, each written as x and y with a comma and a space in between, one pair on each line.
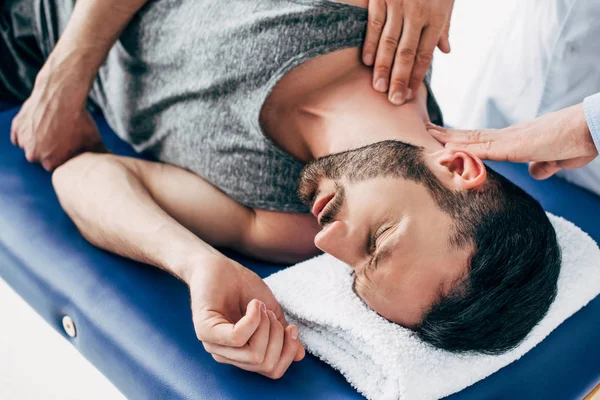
383, 360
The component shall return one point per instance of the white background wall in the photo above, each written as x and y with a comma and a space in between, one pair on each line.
35, 361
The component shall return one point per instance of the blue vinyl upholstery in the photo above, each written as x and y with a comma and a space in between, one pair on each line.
134, 322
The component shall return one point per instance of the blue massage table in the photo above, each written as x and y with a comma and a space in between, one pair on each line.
133, 322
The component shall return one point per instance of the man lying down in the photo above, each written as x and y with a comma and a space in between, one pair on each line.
273, 143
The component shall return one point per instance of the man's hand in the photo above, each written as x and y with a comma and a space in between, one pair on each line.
555, 141
239, 321
53, 124
401, 38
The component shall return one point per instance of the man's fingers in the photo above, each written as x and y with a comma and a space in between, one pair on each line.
301, 352
13, 134
213, 327
276, 340
429, 40
281, 352
403, 62
288, 353
543, 169
260, 339
388, 43
48, 165
285, 360
377, 15
251, 353
31, 155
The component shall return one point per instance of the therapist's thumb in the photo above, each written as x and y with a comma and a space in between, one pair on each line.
543, 169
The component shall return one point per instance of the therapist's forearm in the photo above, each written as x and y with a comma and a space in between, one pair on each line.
93, 28
591, 107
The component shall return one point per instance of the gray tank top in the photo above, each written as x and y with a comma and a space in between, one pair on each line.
188, 78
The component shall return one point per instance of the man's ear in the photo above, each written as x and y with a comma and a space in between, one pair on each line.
460, 169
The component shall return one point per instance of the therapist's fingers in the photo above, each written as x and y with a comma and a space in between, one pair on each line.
404, 61
444, 42
375, 24
429, 40
490, 144
543, 169
462, 136
386, 48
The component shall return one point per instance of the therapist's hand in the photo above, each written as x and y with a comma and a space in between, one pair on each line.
555, 141
401, 38
240, 322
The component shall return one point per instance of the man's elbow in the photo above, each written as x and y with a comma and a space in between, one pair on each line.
69, 173
70, 179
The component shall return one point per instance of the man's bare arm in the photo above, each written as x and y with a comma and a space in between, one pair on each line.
53, 125
124, 205
151, 212
93, 28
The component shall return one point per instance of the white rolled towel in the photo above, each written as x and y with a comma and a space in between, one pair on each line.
383, 360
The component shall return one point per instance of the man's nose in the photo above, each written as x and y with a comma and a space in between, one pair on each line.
341, 242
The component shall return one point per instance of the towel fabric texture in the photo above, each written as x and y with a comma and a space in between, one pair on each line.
383, 360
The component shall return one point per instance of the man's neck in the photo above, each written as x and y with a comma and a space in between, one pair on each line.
328, 105
349, 114
360, 122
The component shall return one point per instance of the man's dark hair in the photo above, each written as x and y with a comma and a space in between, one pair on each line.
513, 273
513, 268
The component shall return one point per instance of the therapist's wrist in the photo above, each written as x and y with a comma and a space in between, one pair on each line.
591, 106
580, 130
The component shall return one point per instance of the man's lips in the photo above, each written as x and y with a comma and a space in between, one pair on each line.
320, 204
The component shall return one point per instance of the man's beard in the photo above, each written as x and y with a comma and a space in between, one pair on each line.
389, 158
